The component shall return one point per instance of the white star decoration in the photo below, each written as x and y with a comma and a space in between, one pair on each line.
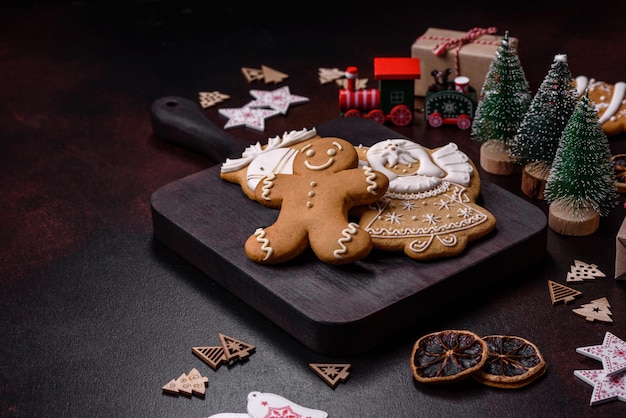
605, 388
612, 354
279, 99
246, 116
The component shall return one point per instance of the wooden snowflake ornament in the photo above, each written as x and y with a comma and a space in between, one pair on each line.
612, 354
596, 310
560, 293
332, 374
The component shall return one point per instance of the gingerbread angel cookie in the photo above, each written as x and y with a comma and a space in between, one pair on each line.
429, 209
314, 200
610, 102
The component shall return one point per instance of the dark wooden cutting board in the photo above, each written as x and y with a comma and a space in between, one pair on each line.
338, 310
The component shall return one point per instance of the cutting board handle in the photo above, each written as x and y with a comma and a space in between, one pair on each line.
181, 121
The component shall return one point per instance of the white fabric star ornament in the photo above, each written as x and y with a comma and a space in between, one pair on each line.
279, 99
612, 354
605, 388
250, 117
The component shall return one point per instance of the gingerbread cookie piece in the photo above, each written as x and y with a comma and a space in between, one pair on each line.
429, 210
610, 102
314, 201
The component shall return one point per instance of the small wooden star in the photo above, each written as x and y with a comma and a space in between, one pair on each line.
249, 117
612, 354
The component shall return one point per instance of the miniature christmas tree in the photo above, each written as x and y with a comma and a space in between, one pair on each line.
580, 186
538, 136
504, 100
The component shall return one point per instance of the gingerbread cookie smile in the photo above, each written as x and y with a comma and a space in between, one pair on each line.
310, 152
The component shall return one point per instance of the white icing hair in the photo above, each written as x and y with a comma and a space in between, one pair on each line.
253, 151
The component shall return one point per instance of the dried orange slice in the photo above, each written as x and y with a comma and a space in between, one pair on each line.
447, 356
512, 362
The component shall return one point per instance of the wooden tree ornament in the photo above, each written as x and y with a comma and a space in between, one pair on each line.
596, 310
230, 349
331, 373
561, 293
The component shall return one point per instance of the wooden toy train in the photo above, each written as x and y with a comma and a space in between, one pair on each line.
392, 101
449, 103
446, 103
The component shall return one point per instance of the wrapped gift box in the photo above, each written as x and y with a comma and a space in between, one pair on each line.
474, 55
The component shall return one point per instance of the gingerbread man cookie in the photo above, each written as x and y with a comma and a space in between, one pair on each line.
429, 210
314, 201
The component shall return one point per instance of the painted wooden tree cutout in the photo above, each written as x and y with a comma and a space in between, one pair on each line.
359, 84
268, 74
192, 383
580, 271
252, 74
328, 75
596, 310
272, 76
612, 354
331, 373
234, 348
211, 98
560, 293
213, 356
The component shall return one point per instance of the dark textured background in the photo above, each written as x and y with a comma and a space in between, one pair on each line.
97, 316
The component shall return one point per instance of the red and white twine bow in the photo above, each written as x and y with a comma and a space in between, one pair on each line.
470, 37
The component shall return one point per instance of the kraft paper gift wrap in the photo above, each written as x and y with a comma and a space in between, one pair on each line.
467, 54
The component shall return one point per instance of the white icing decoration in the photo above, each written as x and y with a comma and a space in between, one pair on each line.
330, 152
581, 84
447, 163
268, 183
253, 151
454, 204
279, 160
370, 178
265, 243
616, 101
346, 237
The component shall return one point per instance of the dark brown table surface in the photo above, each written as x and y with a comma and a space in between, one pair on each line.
97, 315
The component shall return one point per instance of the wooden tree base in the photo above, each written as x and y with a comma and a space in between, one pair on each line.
576, 223
495, 159
534, 176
